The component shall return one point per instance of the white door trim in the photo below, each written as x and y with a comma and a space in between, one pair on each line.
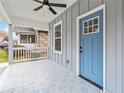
102, 7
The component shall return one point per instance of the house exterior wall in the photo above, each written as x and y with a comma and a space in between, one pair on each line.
42, 39
3, 35
41, 36
123, 42
114, 40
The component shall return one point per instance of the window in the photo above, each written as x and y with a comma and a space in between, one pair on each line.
91, 26
31, 38
58, 37
24, 39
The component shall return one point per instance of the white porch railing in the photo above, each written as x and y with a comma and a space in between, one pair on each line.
27, 54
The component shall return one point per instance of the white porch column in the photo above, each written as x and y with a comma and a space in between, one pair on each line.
10, 45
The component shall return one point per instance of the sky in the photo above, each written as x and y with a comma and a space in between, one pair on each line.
3, 26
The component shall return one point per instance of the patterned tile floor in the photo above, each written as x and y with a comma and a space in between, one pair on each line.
42, 76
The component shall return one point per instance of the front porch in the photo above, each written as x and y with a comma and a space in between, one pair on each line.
42, 76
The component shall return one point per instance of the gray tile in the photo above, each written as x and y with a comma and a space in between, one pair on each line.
43, 76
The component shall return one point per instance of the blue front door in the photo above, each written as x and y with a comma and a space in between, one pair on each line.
91, 47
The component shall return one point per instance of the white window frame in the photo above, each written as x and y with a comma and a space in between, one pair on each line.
92, 25
56, 51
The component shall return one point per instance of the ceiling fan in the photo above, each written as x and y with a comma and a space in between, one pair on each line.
46, 2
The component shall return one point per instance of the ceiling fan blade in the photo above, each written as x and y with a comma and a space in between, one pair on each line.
38, 8
57, 5
51, 9
38, 1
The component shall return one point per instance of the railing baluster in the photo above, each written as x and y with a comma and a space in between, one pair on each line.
40, 53
21, 54
18, 54
24, 54
28, 54
15, 55
47, 52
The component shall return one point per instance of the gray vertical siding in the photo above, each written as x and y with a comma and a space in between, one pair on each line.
56, 54
60, 58
123, 43
75, 14
119, 47
83, 7
92, 4
64, 35
110, 46
52, 53
69, 37
114, 40
49, 41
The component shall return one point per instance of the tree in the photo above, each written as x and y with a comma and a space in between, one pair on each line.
5, 39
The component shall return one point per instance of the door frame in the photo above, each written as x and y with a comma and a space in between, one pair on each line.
101, 7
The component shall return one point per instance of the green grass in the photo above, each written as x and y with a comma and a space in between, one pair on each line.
3, 56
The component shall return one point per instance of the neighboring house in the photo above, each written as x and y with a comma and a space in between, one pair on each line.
3, 35
32, 38
42, 40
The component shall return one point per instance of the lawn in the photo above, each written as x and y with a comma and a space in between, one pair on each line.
3, 55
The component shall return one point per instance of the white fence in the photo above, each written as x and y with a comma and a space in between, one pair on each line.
27, 54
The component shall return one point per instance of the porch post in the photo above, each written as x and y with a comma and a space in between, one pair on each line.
10, 45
